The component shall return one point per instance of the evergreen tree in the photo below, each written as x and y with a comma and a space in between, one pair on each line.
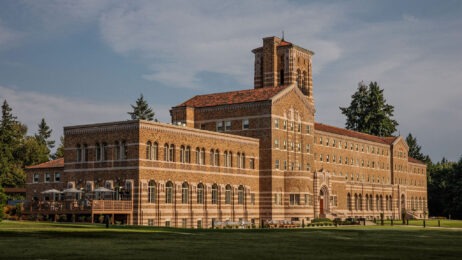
44, 133
141, 110
369, 113
414, 148
11, 136
2, 202
60, 150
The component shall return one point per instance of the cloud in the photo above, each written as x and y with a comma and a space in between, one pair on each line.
30, 107
179, 40
8, 37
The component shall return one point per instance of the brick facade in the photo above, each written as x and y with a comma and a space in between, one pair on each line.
251, 155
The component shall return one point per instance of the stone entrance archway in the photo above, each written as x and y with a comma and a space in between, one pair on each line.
323, 201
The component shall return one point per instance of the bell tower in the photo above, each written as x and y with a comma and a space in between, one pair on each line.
279, 62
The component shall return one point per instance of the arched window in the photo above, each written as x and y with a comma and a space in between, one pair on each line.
367, 201
381, 202
225, 158
79, 153
238, 160
240, 195
98, 151
217, 158
243, 160
171, 155
85, 152
390, 202
230, 159
182, 154
360, 202
169, 192
123, 150
149, 150
377, 202
228, 194
155, 151
356, 202
200, 193
152, 192
187, 154
349, 201
212, 157
166, 152
371, 202
184, 193
117, 150
215, 194
198, 156
104, 152
203, 156
299, 79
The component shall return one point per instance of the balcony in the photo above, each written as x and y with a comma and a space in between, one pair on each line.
84, 206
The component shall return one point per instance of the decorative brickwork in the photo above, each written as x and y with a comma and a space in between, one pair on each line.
245, 156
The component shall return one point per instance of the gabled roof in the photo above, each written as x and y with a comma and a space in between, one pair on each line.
233, 97
354, 134
413, 160
50, 164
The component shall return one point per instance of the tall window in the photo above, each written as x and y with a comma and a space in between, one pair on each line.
200, 193
230, 159
149, 150
184, 193
182, 154
36, 177
228, 194
155, 151
104, 152
98, 151
166, 152
169, 192
79, 153
85, 152
215, 194
124, 150
57, 177
203, 156
198, 156
299, 79
151, 192
187, 154
240, 195
349, 201
294, 199
216, 160
117, 150
171, 155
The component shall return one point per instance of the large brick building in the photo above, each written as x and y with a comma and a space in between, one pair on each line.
251, 156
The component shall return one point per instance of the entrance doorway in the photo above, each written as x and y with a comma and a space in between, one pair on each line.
323, 201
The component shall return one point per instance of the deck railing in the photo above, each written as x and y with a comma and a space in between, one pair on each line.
112, 205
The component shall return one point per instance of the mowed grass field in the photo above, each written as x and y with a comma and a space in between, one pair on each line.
33, 240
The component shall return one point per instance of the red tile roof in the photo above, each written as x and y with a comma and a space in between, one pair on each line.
354, 134
50, 164
233, 97
284, 43
413, 160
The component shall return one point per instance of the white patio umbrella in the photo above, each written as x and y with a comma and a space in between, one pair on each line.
51, 191
72, 190
102, 189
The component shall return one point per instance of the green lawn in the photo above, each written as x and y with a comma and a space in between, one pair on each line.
31, 240
430, 223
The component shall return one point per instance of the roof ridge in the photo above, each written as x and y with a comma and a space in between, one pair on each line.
382, 139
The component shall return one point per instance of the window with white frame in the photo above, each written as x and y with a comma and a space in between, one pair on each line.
245, 124
36, 177
220, 126
276, 123
227, 125
47, 177
57, 177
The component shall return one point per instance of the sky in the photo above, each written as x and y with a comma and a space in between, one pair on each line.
78, 62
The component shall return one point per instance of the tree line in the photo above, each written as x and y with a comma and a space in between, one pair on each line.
369, 113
